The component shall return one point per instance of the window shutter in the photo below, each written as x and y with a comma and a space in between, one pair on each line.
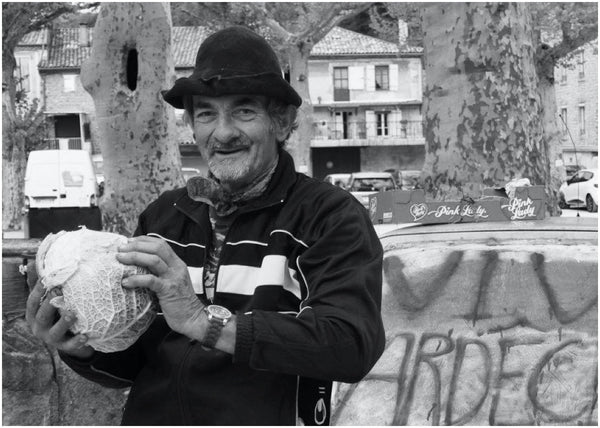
393, 77
370, 77
356, 78
371, 124
394, 123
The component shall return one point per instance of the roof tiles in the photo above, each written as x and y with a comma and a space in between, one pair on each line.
65, 51
340, 41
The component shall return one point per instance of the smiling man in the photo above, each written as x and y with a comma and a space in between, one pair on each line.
269, 281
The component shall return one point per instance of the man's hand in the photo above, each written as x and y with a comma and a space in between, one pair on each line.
168, 278
46, 324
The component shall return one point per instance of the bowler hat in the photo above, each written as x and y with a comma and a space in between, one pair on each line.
235, 60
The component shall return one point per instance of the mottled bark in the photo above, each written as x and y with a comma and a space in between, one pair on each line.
13, 151
483, 110
299, 143
137, 128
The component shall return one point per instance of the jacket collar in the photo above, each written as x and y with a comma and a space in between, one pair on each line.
283, 179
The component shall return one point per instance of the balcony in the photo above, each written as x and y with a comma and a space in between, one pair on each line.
66, 144
362, 133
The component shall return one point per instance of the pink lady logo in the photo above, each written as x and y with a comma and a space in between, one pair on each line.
418, 211
520, 208
320, 412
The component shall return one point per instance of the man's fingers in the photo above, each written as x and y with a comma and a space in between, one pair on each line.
77, 345
33, 301
145, 281
152, 262
151, 245
58, 331
46, 313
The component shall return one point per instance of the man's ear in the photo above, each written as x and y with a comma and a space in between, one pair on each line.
284, 124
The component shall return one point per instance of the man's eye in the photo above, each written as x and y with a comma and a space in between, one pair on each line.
205, 116
244, 113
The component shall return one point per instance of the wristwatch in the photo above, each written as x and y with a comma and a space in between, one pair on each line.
218, 317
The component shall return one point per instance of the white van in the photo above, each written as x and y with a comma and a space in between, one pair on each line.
59, 179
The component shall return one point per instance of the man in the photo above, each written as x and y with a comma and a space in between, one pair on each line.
269, 282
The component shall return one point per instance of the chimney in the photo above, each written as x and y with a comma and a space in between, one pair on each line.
402, 34
84, 37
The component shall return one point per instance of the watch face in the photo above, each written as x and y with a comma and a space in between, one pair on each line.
219, 311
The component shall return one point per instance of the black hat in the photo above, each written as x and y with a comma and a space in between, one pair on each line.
235, 60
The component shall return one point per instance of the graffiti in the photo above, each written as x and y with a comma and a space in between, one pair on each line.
493, 383
483, 334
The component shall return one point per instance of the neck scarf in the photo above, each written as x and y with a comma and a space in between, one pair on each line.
210, 191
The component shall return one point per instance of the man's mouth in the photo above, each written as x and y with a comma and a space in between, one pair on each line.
229, 150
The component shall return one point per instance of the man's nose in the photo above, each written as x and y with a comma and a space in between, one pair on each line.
225, 129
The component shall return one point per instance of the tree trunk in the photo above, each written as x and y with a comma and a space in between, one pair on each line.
13, 151
299, 144
136, 127
483, 111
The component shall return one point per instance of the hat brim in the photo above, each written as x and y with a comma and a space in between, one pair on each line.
265, 84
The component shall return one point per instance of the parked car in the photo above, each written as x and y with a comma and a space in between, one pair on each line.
363, 184
61, 192
581, 190
405, 179
189, 172
60, 178
340, 179
571, 170
409, 179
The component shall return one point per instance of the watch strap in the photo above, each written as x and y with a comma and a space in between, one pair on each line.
213, 333
218, 316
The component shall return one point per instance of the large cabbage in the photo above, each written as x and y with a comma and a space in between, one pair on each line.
83, 264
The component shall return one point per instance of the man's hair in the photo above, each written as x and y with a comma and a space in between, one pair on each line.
277, 110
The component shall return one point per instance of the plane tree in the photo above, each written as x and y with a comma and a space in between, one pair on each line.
489, 108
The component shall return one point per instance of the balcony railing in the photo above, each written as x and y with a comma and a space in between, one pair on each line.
359, 130
63, 143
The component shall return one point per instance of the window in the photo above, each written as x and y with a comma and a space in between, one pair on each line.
563, 75
69, 82
340, 77
382, 123
581, 120
581, 65
340, 84
563, 116
382, 78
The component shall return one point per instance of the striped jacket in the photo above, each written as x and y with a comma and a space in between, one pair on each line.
301, 268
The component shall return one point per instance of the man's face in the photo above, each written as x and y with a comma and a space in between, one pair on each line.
235, 136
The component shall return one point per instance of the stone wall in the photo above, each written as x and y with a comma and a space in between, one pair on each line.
484, 328
37, 387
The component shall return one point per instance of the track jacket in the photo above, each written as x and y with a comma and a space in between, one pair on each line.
301, 267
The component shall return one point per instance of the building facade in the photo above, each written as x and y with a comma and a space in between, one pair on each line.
367, 96
576, 87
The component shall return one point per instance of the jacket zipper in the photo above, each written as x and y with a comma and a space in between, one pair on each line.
225, 242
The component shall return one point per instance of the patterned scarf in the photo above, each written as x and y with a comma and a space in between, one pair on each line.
210, 191
222, 212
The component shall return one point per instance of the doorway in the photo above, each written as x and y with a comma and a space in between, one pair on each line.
332, 160
344, 125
